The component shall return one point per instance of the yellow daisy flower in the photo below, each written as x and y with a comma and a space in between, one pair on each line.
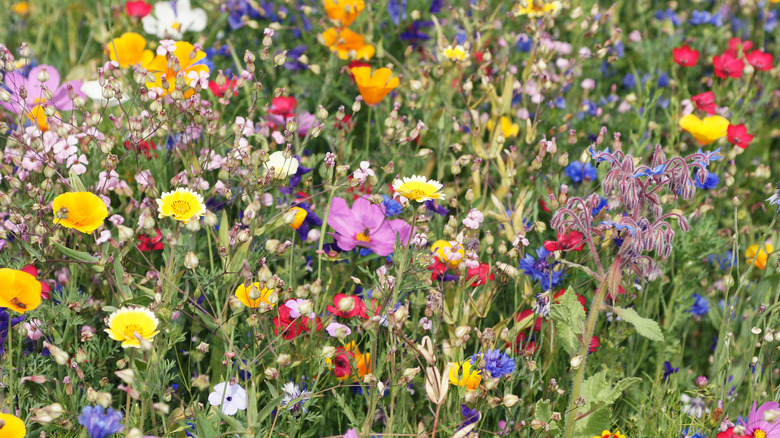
182, 204
455, 53
254, 297
752, 254
129, 323
418, 188
84, 211
19, 290
462, 375
12, 426
537, 8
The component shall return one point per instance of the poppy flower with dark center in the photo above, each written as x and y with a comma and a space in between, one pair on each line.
761, 61
727, 65
685, 56
148, 244
705, 102
571, 241
738, 136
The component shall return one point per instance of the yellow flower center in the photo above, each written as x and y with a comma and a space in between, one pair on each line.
758, 433
130, 330
176, 25
180, 207
363, 236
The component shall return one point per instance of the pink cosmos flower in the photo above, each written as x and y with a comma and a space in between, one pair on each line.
365, 225
757, 426
34, 87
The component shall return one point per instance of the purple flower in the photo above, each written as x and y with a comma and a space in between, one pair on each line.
540, 269
14, 82
669, 370
365, 225
5, 319
757, 424
100, 423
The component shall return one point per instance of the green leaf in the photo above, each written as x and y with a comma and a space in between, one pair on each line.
570, 320
598, 392
345, 408
593, 424
644, 326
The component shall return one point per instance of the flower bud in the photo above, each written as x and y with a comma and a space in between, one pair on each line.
510, 400
191, 260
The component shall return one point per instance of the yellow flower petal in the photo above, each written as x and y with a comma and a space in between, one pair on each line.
85, 211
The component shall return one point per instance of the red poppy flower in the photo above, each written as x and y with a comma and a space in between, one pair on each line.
341, 367
437, 269
571, 241
594, 344
738, 136
220, 90
150, 243
760, 60
685, 56
143, 146
728, 433
283, 106
45, 289
347, 306
138, 8
480, 274
727, 65
705, 102
735, 43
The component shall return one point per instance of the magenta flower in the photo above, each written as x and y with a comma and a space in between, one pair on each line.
14, 82
365, 225
757, 426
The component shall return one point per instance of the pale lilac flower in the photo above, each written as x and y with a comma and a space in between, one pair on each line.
116, 220
295, 307
425, 323
104, 236
330, 159
198, 78
166, 47
420, 239
364, 172
337, 330
34, 329
473, 219
232, 397
144, 179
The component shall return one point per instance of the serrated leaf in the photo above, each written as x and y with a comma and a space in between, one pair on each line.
644, 326
598, 392
570, 320
593, 424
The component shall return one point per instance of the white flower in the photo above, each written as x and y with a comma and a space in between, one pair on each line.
473, 219
693, 406
293, 393
364, 172
196, 78
94, 92
232, 397
282, 166
172, 19
166, 47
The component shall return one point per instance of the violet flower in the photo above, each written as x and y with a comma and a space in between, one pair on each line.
756, 423
15, 82
365, 225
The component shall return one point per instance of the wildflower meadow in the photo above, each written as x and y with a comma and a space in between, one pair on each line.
389, 218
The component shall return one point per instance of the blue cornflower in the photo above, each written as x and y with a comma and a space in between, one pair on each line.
771, 20
524, 43
579, 171
540, 270
669, 370
629, 80
670, 15
602, 205
99, 422
560, 102
397, 10
414, 34
725, 262
392, 207
497, 363
710, 183
700, 306
663, 80
436, 6
292, 60
686, 433
700, 17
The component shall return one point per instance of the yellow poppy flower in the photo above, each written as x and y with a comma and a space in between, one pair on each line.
508, 128
85, 211
348, 44
608, 434
707, 130
752, 254
129, 323
300, 216
537, 8
20, 8
182, 204
455, 53
462, 375
418, 188
255, 297
19, 290
344, 11
443, 250
12, 426
374, 86
128, 50
187, 63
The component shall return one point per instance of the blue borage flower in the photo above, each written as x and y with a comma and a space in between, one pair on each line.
541, 270
494, 362
724, 263
710, 183
620, 227
99, 422
700, 306
579, 172
646, 171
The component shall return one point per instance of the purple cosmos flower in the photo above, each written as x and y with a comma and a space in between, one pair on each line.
14, 82
757, 426
365, 225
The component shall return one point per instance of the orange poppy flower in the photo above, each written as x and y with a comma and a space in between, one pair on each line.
374, 86
85, 211
344, 11
19, 290
347, 44
128, 50
187, 63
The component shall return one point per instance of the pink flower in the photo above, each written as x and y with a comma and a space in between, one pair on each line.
365, 225
756, 424
352, 433
364, 172
34, 87
473, 219
34, 329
